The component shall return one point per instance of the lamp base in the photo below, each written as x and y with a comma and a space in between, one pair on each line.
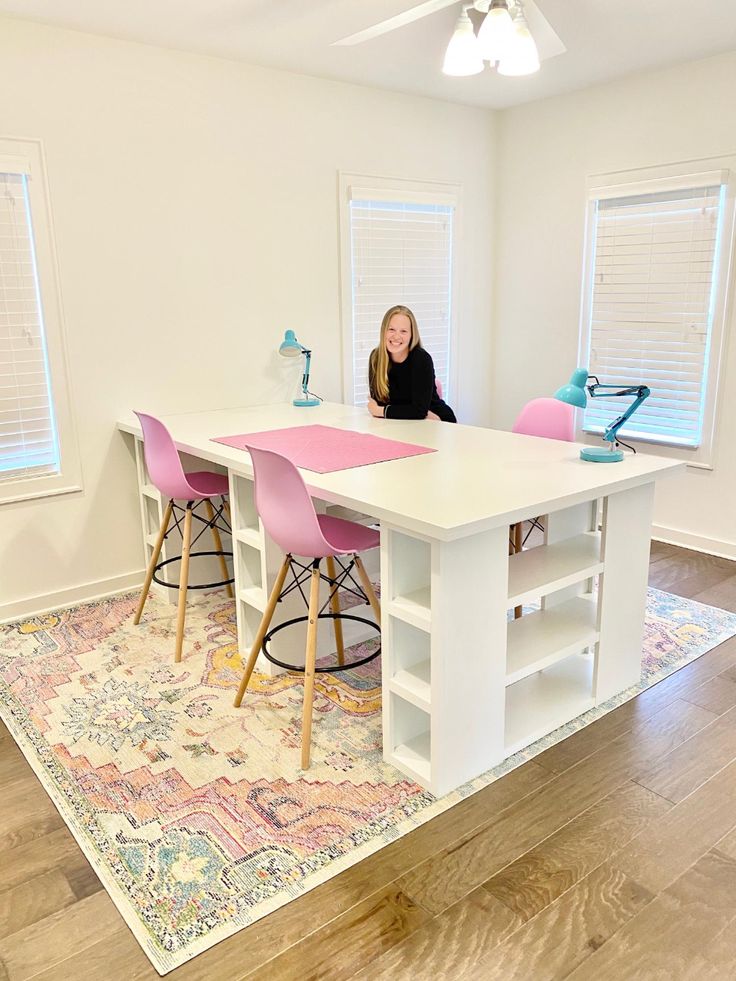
305, 402
600, 454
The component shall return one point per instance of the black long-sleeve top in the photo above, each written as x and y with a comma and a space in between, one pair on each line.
412, 392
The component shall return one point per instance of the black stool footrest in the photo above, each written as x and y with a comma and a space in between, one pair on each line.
192, 555
333, 668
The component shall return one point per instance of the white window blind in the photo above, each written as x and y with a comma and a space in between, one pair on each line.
401, 253
651, 307
28, 439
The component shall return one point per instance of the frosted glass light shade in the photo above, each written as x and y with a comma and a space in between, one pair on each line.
496, 35
463, 53
522, 57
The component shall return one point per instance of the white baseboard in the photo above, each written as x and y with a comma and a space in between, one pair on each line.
674, 536
85, 593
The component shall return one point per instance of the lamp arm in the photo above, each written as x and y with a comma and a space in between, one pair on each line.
305, 376
599, 391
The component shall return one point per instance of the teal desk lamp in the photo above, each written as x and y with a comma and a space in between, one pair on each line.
574, 393
291, 348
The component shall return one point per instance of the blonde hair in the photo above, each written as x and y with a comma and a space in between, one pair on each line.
379, 359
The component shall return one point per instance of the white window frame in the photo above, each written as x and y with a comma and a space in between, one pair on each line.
352, 186
642, 181
26, 156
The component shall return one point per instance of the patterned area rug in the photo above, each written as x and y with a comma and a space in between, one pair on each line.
194, 814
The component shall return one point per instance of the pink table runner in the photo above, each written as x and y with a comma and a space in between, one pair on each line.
324, 449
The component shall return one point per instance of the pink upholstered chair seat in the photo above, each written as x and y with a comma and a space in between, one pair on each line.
208, 484
347, 536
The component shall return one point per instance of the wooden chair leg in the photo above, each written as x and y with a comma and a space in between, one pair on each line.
309, 663
335, 607
368, 587
154, 559
262, 628
186, 540
218, 546
518, 546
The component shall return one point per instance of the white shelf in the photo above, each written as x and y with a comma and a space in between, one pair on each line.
148, 490
249, 536
544, 701
413, 684
414, 759
413, 608
253, 596
538, 640
547, 568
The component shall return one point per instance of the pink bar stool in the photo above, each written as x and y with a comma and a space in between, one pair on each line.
288, 515
167, 475
551, 419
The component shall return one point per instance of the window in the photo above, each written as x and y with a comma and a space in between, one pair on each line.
38, 452
397, 247
654, 302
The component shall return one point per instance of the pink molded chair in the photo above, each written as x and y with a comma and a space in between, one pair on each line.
551, 419
546, 417
438, 386
167, 475
288, 515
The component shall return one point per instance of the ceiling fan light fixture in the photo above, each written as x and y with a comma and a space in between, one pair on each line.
496, 35
463, 55
522, 57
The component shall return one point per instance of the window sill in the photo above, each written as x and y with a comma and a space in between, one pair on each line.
26, 492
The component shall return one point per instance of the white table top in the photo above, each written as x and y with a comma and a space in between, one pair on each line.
479, 478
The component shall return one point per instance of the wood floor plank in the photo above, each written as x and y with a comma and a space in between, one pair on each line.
340, 948
459, 937
56, 850
566, 933
689, 766
661, 940
662, 852
58, 937
717, 695
544, 873
33, 900
117, 957
688, 572
467, 863
722, 595
26, 812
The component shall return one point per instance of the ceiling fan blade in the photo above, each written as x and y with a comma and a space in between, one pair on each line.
408, 17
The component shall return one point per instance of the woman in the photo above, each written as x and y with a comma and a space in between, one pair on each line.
401, 373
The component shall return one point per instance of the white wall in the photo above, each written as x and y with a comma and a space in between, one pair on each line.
195, 207
545, 152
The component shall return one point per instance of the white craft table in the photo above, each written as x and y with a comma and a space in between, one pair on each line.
463, 688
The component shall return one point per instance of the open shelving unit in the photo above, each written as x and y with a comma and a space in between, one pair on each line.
549, 654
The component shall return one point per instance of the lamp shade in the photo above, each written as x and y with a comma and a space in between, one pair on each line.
290, 346
521, 57
463, 52
496, 34
574, 392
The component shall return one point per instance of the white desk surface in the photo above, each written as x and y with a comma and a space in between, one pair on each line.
479, 479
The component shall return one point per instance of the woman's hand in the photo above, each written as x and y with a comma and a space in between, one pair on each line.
433, 415
375, 409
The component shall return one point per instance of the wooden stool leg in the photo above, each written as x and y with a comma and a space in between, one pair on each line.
218, 546
368, 588
335, 607
186, 540
309, 667
263, 627
518, 546
154, 559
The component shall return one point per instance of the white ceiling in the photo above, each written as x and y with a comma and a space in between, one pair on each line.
605, 39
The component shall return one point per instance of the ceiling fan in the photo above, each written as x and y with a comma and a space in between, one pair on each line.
504, 39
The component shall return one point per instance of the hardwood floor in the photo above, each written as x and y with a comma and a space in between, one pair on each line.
611, 855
